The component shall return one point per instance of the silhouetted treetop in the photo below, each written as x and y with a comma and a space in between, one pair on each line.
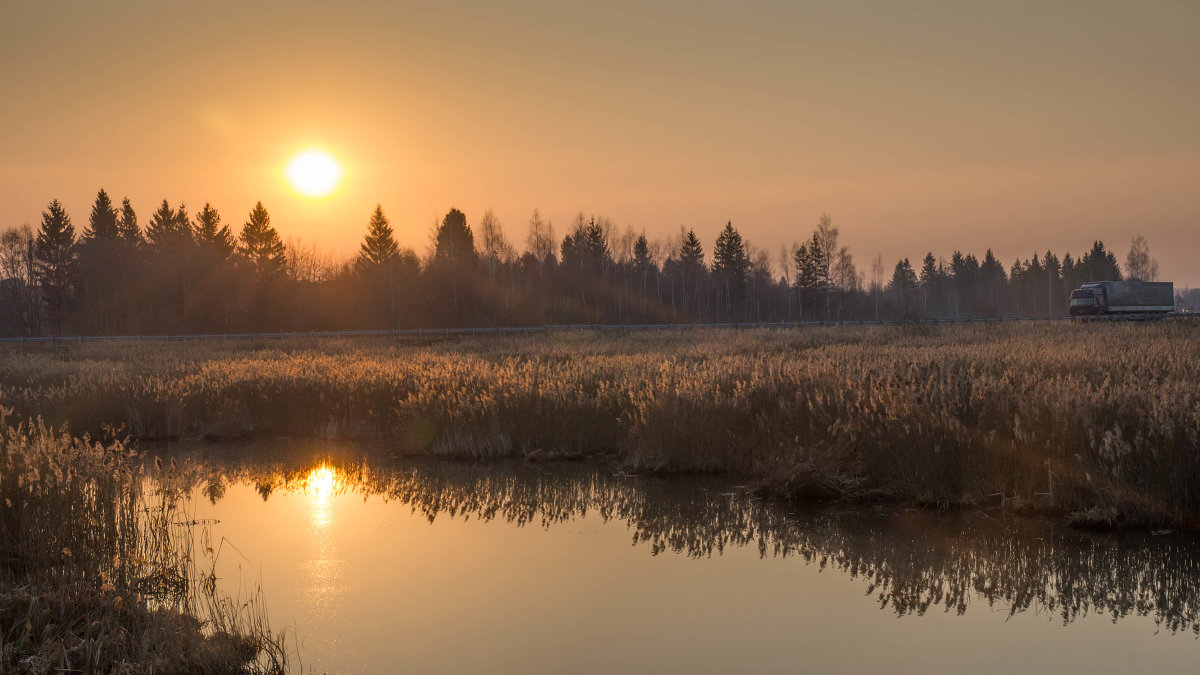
127, 224
167, 229
454, 242
586, 246
903, 277
210, 233
102, 224
379, 246
194, 275
930, 274
641, 253
260, 244
691, 252
1098, 264
55, 262
729, 256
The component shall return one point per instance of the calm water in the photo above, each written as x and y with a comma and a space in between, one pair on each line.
382, 565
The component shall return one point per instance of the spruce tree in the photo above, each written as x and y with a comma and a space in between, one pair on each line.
594, 247
992, 270
55, 263
642, 261
379, 246
730, 260
209, 232
568, 250
260, 244
929, 272
903, 277
812, 273
162, 231
127, 224
1099, 264
102, 224
182, 227
1069, 271
641, 254
691, 253
812, 266
730, 266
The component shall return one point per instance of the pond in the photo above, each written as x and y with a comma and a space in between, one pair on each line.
381, 564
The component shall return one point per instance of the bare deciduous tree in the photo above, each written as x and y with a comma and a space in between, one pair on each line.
540, 241
18, 281
1138, 264
496, 249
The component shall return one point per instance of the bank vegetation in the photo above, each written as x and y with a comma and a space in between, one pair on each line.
1098, 421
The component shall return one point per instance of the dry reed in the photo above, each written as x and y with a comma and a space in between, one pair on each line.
97, 572
1098, 420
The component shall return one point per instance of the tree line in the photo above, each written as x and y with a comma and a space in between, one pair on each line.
189, 273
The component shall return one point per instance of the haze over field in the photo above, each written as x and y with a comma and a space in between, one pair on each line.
932, 126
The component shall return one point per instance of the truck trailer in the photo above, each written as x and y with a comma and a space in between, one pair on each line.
1123, 298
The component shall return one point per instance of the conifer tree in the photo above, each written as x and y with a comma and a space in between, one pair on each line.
593, 245
1098, 264
691, 253
182, 227
642, 260
164, 231
929, 272
729, 255
55, 262
812, 267
101, 263
127, 224
1069, 271
260, 244
730, 266
693, 272
209, 232
641, 254
903, 277
1054, 291
379, 246
102, 224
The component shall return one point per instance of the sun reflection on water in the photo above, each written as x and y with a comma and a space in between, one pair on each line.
320, 483
323, 563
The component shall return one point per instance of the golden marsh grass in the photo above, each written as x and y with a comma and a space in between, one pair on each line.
99, 572
1099, 420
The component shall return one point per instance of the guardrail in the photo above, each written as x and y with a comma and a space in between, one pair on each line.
445, 333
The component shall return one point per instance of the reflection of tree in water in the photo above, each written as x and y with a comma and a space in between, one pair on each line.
911, 560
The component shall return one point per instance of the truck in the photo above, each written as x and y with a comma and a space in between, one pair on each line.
1123, 298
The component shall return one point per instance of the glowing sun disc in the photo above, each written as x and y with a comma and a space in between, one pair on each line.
314, 173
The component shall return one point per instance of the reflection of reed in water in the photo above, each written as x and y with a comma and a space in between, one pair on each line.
911, 560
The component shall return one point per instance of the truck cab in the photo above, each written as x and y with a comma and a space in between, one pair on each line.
1088, 300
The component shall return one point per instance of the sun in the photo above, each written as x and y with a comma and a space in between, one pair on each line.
314, 173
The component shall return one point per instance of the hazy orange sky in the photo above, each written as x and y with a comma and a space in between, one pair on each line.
918, 126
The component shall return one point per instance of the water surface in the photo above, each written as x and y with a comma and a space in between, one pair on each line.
375, 564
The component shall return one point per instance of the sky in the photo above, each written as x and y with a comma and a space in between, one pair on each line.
917, 126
